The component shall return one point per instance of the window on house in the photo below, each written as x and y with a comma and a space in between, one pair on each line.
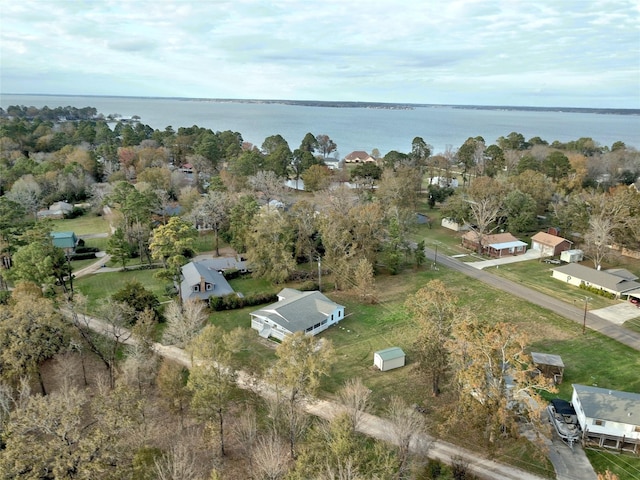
209, 286
600, 423
196, 288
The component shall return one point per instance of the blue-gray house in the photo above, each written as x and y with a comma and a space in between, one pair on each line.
201, 280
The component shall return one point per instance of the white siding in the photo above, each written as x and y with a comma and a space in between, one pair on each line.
567, 278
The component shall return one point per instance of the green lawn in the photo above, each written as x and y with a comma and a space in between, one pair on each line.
590, 359
537, 276
83, 225
101, 286
624, 465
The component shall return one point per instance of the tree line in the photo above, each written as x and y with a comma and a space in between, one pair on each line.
167, 185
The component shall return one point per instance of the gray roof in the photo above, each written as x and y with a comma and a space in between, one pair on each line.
204, 271
297, 310
605, 279
390, 353
622, 273
226, 263
547, 359
611, 405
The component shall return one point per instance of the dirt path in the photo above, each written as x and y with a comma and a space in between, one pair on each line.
370, 425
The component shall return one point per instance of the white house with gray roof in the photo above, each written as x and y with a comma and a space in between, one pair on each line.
610, 418
618, 281
201, 280
296, 311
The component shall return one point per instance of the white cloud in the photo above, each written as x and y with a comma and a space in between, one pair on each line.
465, 51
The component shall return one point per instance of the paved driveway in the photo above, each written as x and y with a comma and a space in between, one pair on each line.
495, 262
618, 314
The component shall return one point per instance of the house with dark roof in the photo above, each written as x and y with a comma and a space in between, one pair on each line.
296, 311
617, 281
201, 280
549, 245
609, 418
359, 156
496, 245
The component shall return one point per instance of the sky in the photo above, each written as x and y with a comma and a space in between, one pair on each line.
559, 53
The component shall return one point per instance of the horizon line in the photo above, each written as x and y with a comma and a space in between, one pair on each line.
334, 102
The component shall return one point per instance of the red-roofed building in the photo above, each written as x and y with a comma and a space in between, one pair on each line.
549, 245
359, 156
497, 245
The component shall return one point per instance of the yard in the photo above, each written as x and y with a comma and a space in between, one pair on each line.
590, 359
83, 225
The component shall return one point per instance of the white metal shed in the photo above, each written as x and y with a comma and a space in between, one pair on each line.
389, 358
572, 256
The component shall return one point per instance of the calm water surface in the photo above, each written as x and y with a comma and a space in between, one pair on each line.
355, 128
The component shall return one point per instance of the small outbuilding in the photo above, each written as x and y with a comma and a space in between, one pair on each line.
572, 256
68, 241
549, 365
451, 224
389, 358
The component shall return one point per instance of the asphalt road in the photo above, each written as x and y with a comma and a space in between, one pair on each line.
566, 310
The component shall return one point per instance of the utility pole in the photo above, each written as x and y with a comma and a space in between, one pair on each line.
435, 257
584, 319
319, 273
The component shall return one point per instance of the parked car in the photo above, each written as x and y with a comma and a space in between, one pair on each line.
635, 301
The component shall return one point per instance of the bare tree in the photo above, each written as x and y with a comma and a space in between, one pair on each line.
354, 396
212, 212
27, 192
268, 185
180, 463
183, 325
598, 239
406, 423
103, 344
270, 459
245, 431
485, 198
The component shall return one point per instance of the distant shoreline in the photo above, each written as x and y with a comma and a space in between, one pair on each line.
374, 105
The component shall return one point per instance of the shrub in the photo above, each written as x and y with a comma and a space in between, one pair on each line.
597, 291
75, 213
137, 297
233, 301
433, 469
5, 296
83, 249
83, 256
308, 286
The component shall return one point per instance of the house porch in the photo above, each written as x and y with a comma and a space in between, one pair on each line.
612, 442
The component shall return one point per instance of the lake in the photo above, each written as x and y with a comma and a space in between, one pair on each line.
355, 128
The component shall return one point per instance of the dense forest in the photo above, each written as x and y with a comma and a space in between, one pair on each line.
77, 404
